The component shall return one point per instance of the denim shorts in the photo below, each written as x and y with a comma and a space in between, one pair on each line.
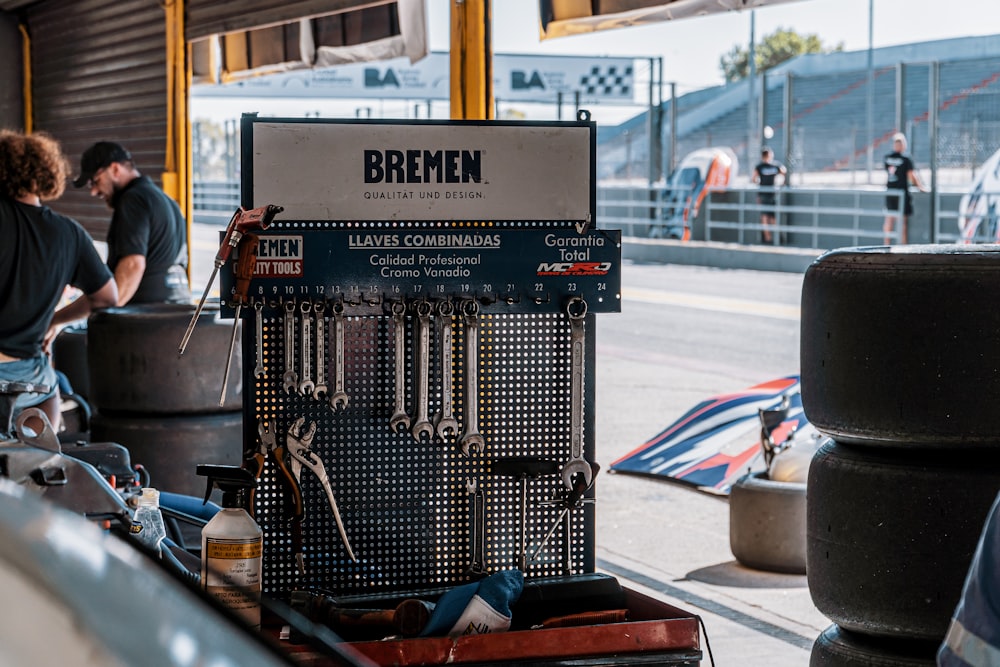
37, 370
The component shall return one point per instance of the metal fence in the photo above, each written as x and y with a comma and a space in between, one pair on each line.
819, 218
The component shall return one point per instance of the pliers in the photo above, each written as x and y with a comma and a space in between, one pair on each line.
298, 443
268, 447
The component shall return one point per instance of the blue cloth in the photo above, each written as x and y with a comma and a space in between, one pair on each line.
974, 635
35, 369
190, 505
477, 608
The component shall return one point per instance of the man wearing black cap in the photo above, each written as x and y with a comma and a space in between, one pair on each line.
147, 239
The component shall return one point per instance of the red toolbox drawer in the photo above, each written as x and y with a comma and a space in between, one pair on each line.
655, 634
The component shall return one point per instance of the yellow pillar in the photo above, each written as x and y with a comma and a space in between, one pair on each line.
26, 79
471, 60
177, 173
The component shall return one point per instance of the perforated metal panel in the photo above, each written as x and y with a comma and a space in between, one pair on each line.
406, 504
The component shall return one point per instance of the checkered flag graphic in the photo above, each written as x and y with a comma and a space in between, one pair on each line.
611, 81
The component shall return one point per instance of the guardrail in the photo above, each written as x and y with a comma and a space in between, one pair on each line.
215, 201
813, 218
806, 217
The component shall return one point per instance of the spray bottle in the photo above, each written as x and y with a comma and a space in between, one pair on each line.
232, 544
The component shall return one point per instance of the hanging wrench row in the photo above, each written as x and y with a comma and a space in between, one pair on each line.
443, 424
304, 326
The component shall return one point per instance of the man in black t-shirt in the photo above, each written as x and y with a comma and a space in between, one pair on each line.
147, 239
766, 173
42, 252
901, 172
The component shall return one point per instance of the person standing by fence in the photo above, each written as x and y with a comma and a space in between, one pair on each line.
765, 174
900, 173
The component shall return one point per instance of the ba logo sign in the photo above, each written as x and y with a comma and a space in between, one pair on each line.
520, 80
375, 79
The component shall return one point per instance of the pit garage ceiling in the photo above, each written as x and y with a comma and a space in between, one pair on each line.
560, 18
98, 68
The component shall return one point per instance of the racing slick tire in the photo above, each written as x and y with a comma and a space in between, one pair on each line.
136, 369
69, 355
170, 447
889, 537
899, 345
767, 524
836, 647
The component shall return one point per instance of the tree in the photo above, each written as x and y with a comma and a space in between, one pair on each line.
772, 50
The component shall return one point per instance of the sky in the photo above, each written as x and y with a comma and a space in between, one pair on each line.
690, 48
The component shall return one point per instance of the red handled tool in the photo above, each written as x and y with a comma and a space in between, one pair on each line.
243, 221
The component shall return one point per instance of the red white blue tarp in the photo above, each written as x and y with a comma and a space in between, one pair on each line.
717, 441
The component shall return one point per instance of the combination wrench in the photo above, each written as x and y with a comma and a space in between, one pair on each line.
339, 399
319, 392
290, 380
477, 527
399, 416
576, 309
471, 438
306, 385
422, 426
444, 420
258, 309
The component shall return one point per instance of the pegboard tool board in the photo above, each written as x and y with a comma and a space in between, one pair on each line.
407, 320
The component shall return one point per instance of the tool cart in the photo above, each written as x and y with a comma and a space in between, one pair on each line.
419, 387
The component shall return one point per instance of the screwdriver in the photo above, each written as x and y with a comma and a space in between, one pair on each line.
242, 221
246, 263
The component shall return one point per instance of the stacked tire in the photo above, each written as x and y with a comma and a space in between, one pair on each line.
901, 368
165, 407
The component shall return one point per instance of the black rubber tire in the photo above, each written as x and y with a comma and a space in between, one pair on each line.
890, 535
836, 647
135, 367
170, 448
899, 345
767, 524
69, 355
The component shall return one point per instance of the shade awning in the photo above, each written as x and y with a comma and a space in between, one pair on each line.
561, 18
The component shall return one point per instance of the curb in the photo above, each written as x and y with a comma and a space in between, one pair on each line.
718, 255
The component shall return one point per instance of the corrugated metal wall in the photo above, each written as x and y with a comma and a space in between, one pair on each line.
99, 72
11, 83
209, 17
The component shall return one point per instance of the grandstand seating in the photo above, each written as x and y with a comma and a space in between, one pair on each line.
829, 118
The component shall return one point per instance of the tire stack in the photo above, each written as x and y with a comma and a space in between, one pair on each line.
901, 368
164, 407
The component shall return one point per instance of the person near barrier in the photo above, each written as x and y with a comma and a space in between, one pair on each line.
900, 174
765, 174
147, 239
974, 634
42, 252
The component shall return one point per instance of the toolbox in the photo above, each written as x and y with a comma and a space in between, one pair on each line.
422, 314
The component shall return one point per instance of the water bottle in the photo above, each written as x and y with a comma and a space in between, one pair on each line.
147, 522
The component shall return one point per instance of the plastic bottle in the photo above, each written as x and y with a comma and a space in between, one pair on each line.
232, 544
147, 521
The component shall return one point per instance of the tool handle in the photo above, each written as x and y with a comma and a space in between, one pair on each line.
290, 483
246, 264
255, 464
242, 222
587, 618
